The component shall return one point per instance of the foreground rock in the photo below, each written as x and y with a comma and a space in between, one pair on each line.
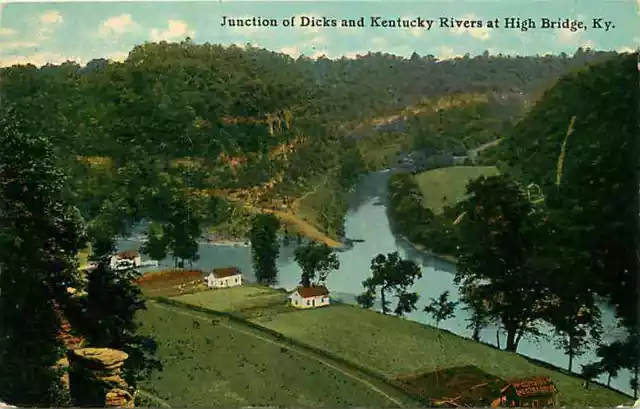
95, 377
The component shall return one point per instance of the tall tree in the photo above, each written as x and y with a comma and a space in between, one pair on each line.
316, 260
265, 247
157, 242
390, 273
500, 256
612, 359
40, 235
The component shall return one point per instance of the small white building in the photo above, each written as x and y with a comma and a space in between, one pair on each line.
310, 297
125, 259
224, 277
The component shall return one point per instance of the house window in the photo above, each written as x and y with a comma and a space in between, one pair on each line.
534, 403
237, 279
308, 302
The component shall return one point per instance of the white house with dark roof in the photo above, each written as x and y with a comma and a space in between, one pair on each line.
310, 297
125, 259
224, 277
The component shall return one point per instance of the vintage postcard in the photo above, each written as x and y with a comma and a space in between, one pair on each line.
319, 204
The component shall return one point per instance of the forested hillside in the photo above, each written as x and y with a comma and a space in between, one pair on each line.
561, 221
596, 189
256, 128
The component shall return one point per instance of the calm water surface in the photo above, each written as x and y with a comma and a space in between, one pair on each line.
367, 220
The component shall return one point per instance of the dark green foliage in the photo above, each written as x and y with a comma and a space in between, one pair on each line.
500, 256
157, 242
39, 237
316, 260
441, 308
406, 210
391, 273
109, 311
265, 247
597, 201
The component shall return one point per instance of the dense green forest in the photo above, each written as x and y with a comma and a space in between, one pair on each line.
258, 128
562, 219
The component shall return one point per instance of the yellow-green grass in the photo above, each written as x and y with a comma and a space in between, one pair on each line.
236, 299
447, 186
213, 364
392, 346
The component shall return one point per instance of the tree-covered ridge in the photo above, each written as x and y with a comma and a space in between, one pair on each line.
598, 191
254, 126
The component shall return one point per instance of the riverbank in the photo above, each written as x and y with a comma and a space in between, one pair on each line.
422, 249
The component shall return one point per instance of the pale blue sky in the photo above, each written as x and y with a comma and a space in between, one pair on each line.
54, 32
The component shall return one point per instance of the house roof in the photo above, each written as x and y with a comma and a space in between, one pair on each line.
532, 386
131, 254
226, 272
313, 291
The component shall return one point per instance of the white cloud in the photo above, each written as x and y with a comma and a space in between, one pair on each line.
177, 30
5, 32
626, 50
479, 33
567, 36
292, 51
47, 22
446, 53
51, 18
118, 25
12, 45
638, 6
118, 56
589, 44
39, 59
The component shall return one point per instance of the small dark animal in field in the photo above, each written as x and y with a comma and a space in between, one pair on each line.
284, 350
196, 324
214, 322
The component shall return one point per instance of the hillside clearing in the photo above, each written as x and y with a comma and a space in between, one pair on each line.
392, 346
213, 363
447, 186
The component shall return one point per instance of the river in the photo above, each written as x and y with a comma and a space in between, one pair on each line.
367, 220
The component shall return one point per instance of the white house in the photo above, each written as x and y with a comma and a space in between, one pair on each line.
224, 277
310, 297
125, 259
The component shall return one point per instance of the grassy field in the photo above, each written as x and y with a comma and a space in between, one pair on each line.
392, 346
214, 363
447, 186
246, 300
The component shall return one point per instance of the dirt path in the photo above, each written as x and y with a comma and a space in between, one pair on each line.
306, 228
252, 333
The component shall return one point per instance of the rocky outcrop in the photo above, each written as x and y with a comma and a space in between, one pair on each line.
96, 377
